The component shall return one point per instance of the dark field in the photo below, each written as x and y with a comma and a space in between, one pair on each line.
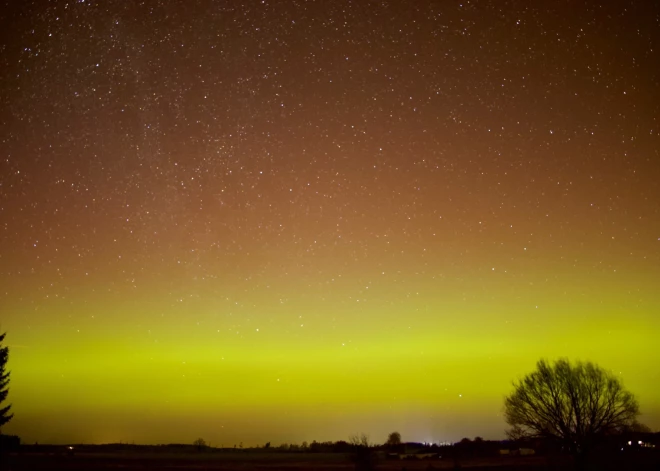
133, 461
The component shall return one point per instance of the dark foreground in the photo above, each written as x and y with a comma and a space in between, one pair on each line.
305, 461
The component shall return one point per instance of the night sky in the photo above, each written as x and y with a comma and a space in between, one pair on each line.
297, 220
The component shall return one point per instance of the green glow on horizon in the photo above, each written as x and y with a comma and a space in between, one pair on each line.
437, 354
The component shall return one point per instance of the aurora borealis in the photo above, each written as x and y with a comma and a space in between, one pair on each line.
288, 220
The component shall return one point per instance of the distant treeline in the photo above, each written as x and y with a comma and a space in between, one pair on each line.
464, 448
9, 442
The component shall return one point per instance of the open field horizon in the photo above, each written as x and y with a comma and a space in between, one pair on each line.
140, 460
293, 220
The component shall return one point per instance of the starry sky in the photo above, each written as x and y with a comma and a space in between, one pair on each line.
294, 220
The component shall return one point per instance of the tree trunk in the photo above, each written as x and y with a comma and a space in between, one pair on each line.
580, 460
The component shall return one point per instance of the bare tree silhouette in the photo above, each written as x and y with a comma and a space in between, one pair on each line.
200, 444
393, 439
359, 440
365, 458
574, 405
5, 416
